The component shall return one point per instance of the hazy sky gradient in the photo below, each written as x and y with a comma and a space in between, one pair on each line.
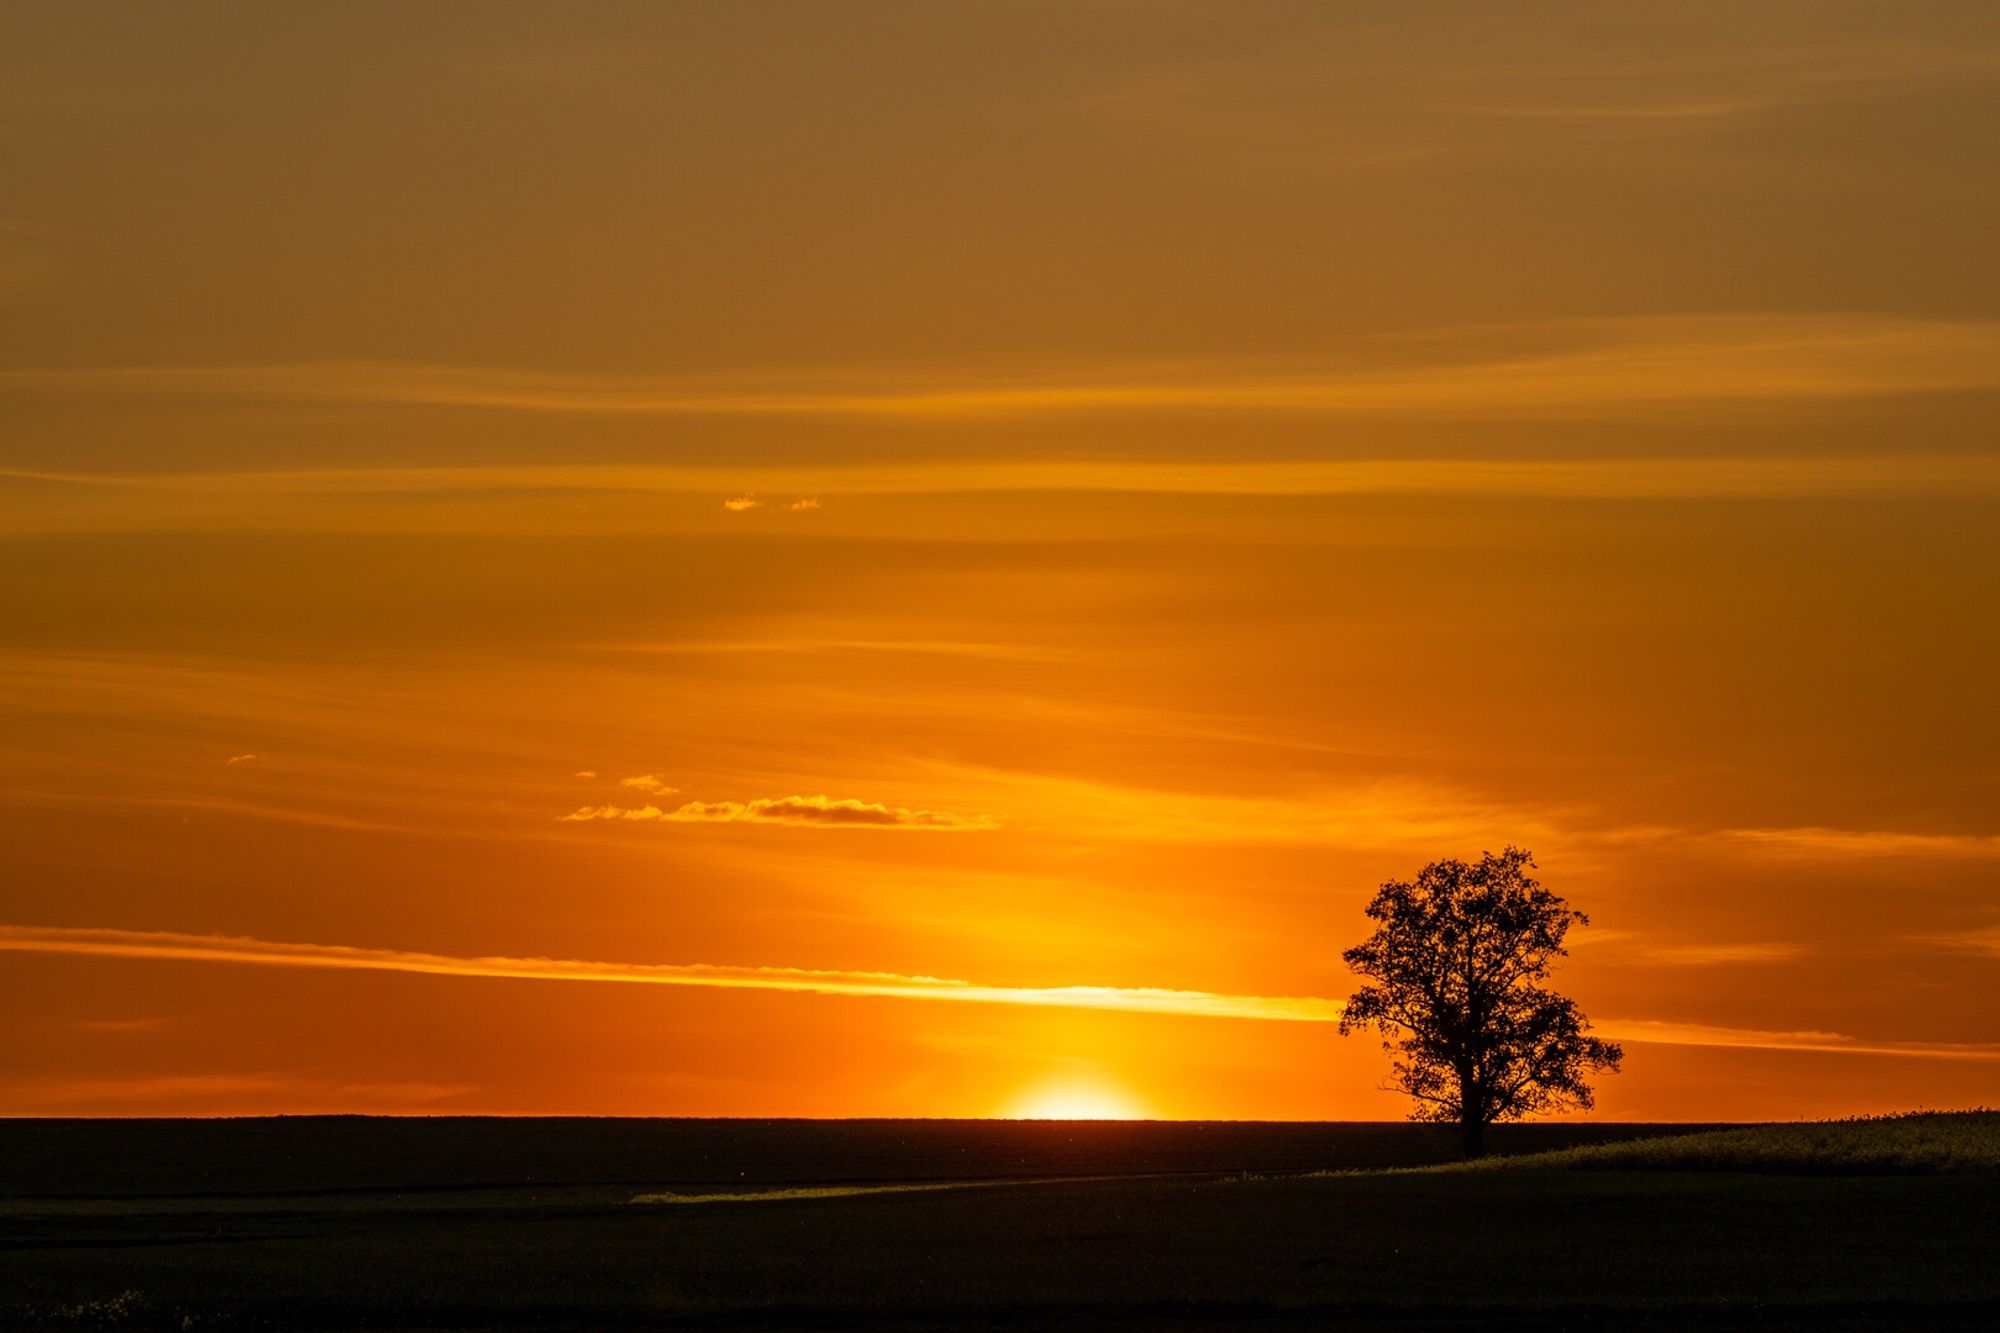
1013, 496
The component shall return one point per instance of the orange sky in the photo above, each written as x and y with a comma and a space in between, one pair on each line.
925, 560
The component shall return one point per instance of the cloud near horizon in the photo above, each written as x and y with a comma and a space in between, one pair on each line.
186, 947
176, 945
800, 811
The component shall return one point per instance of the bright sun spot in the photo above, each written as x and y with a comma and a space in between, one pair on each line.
1070, 1097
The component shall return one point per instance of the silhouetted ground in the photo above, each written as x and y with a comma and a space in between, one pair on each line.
276, 1154
1519, 1249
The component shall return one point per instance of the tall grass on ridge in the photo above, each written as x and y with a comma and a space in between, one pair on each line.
1923, 1143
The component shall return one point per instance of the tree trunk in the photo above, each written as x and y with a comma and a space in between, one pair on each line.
1473, 1126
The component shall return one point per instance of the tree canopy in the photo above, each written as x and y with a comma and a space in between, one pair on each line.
1451, 982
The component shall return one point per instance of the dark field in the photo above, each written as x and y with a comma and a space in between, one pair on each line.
288, 1154
356, 1223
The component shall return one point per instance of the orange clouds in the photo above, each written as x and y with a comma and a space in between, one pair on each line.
238, 949
584, 814
742, 503
800, 811
823, 812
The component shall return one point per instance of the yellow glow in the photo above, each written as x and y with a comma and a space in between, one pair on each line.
1075, 1097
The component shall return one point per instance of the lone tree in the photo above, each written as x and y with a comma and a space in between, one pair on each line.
1451, 977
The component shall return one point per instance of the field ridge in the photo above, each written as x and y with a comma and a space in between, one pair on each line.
1913, 1143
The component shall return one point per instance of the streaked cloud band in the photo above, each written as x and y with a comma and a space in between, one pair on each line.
178, 946
242, 949
1551, 369
1753, 476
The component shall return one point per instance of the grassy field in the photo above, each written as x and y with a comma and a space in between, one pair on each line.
1927, 1144
1542, 1245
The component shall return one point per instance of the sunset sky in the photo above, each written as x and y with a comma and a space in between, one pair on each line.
925, 559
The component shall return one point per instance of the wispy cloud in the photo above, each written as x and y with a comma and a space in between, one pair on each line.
1704, 955
240, 949
1641, 112
218, 805
172, 945
1798, 72
737, 504
1547, 370
1808, 843
201, 1093
585, 814
1375, 100
802, 811
1833, 1043
1390, 813
650, 783
1982, 940
822, 811
242, 758
60, 1091
116, 1026
1847, 844
1008, 652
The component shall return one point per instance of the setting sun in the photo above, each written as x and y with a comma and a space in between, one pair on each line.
1073, 1097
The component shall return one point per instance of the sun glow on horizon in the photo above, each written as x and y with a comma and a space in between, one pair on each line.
1075, 1097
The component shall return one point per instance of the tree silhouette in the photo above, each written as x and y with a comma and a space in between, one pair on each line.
1451, 976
